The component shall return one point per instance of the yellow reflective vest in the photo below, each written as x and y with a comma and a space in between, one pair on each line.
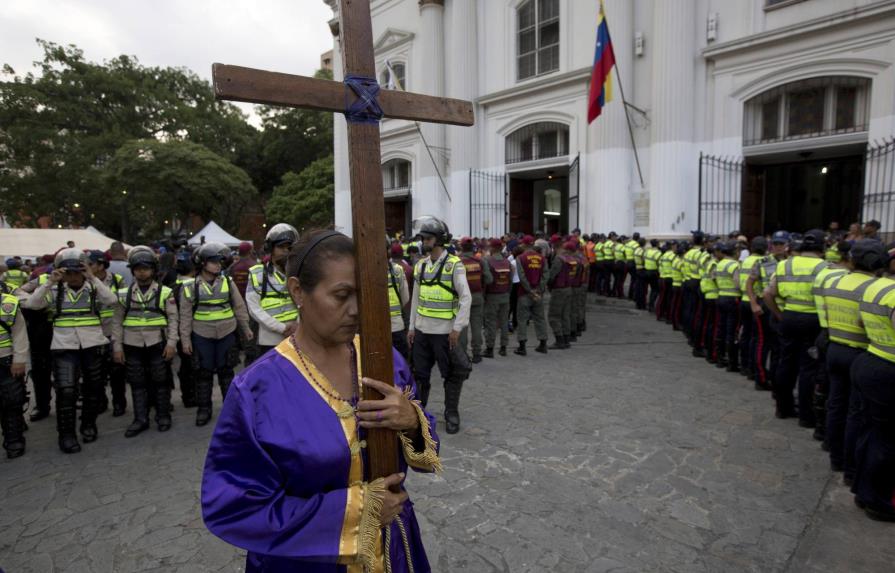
842, 296
876, 313
140, 312
795, 279
9, 306
275, 300
437, 297
210, 302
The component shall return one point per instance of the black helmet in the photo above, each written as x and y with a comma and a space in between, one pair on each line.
141, 256
813, 240
212, 252
183, 264
428, 225
869, 255
726, 247
280, 233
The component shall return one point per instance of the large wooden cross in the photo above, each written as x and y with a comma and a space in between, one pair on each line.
367, 203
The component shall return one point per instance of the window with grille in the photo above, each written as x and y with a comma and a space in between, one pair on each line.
396, 174
395, 81
808, 108
537, 41
537, 141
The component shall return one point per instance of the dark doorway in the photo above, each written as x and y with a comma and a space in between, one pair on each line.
539, 200
802, 195
397, 216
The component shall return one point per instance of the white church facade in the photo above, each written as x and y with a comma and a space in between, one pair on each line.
746, 114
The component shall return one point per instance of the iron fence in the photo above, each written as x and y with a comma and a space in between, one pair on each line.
720, 193
488, 212
878, 201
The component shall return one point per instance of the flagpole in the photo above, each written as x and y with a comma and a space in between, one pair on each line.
621, 89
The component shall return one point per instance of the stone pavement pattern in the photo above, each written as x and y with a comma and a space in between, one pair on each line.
622, 454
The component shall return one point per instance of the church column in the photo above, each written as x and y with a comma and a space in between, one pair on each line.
673, 159
429, 80
341, 181
611, 173
462, 83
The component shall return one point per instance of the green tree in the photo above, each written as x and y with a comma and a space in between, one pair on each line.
290, 140
305, 200
152, 181
61, 126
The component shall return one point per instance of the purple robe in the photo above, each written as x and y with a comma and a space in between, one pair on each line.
284, 469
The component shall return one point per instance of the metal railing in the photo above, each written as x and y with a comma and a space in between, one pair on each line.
878, 201
720, 193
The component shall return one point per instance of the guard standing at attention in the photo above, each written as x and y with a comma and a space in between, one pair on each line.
113, 373
13, 355
498, 277
439, 311
532, 266
758, 250
799, 326
144, 335
79, 345
475, 280
267, 297
728, 305
767, 344
211, 308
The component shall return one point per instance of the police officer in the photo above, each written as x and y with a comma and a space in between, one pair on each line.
532, 265
398, 300
607, 268
13, 355
210, 310
841, 292
708, 315
475, 280
630, 265
872, 373
40, 336
267, 297
799, 326
690, 289
767, 327
439, 313
758, 250
728, 305
619, 267
651, 256
78, 346
497, 272
113, 373
186, 274
14, 277
578, 287
665, 281
145, 333
678, 276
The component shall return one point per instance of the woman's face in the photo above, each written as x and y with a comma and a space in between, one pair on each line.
330, 310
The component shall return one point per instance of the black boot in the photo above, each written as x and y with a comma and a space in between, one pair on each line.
65, 420
452, 406
502, 351
187, 376
476, 357
521, 350
489, 352
733, 358
698, 352
39, 414
90, 407
558, 345
565, 343
542, 347
163, 408
204, 386
224, 380
572, 337
140, 399
12, 420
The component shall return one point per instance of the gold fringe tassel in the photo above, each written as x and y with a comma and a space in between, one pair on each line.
428, 458
374, 493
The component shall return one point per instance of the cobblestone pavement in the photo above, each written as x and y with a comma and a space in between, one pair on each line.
621, 454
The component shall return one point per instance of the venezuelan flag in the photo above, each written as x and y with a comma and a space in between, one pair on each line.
601, 76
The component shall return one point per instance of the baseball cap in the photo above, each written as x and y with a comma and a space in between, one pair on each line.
780, 237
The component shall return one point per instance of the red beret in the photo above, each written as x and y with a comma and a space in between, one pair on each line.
397, 249
528, 240
495, 243
466, 241
571, 245
555, 238
245, 248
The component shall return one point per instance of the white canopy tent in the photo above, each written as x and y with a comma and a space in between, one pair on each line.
213, 233
33, 243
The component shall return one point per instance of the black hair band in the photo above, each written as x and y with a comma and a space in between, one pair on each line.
306, 250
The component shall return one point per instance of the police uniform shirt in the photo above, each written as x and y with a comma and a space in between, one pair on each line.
270, 330
19, 335
212, 329
403, 295
143, 336
73, 338
431, 325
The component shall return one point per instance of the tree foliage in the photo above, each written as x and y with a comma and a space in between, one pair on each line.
152, 181
68, 134
305, 200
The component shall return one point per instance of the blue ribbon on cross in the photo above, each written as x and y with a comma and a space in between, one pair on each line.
365, 109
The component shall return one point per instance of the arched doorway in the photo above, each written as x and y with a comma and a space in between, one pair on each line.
396, 188
804, 144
